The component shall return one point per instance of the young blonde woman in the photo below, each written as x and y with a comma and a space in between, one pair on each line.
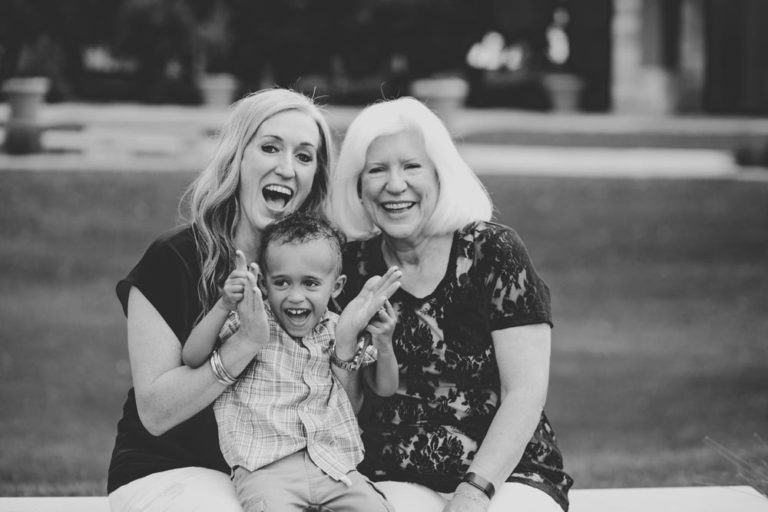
273, 157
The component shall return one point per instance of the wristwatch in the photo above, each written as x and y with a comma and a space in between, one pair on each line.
481, 483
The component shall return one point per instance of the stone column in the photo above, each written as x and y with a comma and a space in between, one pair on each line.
641, 83
692, 56
627, 54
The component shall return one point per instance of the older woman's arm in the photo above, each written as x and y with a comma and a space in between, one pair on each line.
523, 355
167, 392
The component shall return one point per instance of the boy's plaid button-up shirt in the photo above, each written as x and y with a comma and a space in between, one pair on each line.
287, 400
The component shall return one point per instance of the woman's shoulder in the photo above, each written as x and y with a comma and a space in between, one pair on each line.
173, 251
180, 240
487, 231
181, 237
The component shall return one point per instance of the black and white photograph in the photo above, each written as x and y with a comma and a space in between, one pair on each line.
384, 255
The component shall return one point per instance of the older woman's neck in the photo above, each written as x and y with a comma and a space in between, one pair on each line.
405, 253
423, 263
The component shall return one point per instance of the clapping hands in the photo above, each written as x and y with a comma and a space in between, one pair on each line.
254, 325
359, 313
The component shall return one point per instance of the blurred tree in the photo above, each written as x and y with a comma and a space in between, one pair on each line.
46, 37
161, 36
281, 42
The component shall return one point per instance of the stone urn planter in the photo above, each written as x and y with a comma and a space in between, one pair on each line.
443, 95
25, 95
564, 91
218, 90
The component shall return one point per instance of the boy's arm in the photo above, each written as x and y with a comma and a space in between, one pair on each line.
203, 337
383, 376
344, 350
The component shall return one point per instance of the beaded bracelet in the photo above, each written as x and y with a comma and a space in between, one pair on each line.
351, 365
219, 370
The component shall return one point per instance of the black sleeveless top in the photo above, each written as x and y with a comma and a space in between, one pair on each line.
167, 275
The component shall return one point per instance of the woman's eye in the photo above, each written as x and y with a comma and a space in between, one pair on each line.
375, 170
413, 165
269, 148
305, 158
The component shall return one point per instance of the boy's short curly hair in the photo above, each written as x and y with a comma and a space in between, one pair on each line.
300, 227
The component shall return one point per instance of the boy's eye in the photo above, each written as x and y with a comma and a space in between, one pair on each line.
279, 282
311, 284
375, 170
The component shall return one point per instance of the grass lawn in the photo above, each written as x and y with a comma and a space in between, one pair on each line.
660, 296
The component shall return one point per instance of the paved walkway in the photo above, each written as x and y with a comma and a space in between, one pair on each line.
175, 138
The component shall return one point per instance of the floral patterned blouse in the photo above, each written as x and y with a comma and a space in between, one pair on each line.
430, 430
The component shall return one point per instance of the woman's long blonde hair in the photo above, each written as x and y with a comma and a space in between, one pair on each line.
213, 197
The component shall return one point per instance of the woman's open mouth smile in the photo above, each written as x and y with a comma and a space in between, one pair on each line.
277, 197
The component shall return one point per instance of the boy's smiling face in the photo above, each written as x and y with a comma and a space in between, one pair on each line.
300, 278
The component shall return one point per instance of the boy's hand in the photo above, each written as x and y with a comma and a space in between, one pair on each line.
362, 308
382, 327
234, 286
254, 325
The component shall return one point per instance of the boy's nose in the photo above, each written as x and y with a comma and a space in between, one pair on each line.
295, 295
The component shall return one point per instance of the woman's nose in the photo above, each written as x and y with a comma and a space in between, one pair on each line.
396, 181
285, 167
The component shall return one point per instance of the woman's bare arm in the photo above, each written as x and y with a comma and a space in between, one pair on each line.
522, 354
167, 392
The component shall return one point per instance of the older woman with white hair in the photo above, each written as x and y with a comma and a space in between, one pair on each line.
466, 430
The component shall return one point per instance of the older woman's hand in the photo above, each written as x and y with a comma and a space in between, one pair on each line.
362, 308
467, 499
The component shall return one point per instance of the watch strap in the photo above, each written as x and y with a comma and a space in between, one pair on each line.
480, 483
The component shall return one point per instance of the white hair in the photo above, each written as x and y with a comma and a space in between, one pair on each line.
462, 198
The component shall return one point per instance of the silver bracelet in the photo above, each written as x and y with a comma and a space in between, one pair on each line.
219, 370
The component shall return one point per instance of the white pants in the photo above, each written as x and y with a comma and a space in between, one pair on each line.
511, 497
177, 490
200, 489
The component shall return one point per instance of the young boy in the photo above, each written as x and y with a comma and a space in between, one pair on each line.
286, 426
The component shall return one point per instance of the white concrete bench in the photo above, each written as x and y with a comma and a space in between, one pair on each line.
654, 499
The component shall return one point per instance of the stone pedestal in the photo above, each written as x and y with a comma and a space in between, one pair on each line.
24, 129
444, 96
564, 91
218, 90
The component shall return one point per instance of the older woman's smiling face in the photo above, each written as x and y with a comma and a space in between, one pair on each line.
399, 186
278, 168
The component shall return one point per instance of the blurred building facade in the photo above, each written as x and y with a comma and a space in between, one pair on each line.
690, 56
627, 56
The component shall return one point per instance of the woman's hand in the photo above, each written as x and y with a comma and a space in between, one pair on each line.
382, 327
467, 499
361, 309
